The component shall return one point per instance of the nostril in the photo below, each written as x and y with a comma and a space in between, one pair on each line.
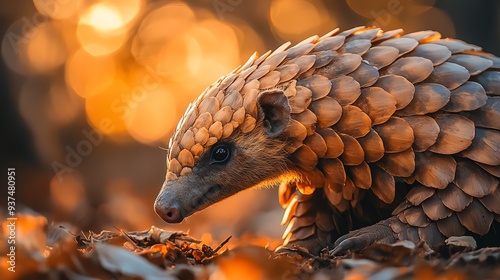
169, 214
172, 215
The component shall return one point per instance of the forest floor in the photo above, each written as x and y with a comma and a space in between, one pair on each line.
53, 252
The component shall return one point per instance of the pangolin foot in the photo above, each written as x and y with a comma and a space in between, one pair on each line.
313, 245
360, 239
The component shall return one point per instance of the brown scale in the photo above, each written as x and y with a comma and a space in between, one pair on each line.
367, 108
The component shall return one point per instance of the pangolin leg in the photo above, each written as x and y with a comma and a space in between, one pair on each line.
359, 239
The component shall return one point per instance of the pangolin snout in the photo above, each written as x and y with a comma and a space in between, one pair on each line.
167, 206
169, 212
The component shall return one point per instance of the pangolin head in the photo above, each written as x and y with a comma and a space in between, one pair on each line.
229, 139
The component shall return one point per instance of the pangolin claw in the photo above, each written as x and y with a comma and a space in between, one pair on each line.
362, 238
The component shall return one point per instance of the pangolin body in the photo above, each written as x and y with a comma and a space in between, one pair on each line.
342, 122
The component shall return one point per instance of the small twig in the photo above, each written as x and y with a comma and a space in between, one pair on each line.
67, 230
222, 244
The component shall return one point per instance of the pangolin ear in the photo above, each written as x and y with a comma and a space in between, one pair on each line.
273, 104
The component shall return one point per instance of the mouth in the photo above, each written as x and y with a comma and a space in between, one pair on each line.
208, 197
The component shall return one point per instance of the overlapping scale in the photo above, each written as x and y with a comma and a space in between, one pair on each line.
381, 56
473, 63
359, 46
327, 110
473, 180
382, 36
488, 115
430, 234
434, 208
301, 100
323, 58
454, 198
366, 75
415, 69
476, 218
353, 122
345, 90
383, 185
457, 46
450, 75
353, 153
434, 170
404, 45
360, 175
425, 131
319, 85
455, 134
428, 98
372, 145
451, 226
424, 36
437, 54
419, 193
469, 96
396, 134
329, 43
341, 64
317, 144
485, 147
334, 144
308, 119
377, 103
399, 87
400, 164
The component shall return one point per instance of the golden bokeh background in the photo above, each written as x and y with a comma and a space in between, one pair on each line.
92, 90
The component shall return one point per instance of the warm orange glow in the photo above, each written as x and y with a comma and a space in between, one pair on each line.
436, 18
103, 28
424, 272
398, 14
285, 20
249, 40
128, 9
97, 42
68, 194
100, 29
172, 43
153, 115
108, 108
200, 55
30, 232
158, 27
367, 9
298, 18
64, 106
124, 205
356, 276
180, 55
58, 9
240, 267
46, 51
420, 6
103, 17
89, 75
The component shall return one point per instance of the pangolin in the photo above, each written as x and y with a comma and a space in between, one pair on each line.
348, 125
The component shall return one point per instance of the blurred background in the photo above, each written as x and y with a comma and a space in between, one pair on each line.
91, 90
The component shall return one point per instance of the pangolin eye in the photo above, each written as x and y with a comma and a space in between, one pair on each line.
220, 154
